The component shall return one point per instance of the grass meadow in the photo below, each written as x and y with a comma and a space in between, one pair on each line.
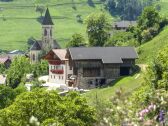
18, 20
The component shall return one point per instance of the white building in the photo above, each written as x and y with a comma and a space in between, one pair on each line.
59, 68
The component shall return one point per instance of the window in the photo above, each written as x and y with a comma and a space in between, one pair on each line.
70, 67
33, 57
56, 67
51, 76
59, 77
91, 72
51, 32
54, 76
62, 77
45, 32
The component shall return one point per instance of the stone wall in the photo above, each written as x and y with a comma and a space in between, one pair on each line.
108, 73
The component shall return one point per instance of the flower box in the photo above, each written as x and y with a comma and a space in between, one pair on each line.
57, 71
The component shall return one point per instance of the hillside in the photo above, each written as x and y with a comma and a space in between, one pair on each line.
18, 20
150, 49
164, 6
127, 84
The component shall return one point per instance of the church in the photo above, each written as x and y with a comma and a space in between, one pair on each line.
42, 47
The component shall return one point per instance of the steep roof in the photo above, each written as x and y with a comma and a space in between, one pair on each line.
47, 19
35, 46
125, 24
106, 54
56, 45
61, 53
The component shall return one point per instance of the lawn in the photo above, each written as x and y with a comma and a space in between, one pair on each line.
164, 6
150, 49
128, 84
18, 21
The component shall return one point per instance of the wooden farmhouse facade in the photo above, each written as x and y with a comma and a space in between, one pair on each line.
90, 67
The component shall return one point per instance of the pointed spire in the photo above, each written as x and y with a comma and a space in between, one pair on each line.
47, 19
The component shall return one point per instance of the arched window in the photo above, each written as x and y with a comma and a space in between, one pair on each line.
51, 32
33, 57
45, 32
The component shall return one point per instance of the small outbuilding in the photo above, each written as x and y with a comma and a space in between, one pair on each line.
124, 25
5, 61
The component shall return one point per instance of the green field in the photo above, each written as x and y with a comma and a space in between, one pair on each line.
128, 84
21, 21
150, 49
164, 6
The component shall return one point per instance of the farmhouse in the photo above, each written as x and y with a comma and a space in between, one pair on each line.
123, 25
84, 67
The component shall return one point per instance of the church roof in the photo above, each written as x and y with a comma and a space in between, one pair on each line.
56, 45
36, 46
47, 19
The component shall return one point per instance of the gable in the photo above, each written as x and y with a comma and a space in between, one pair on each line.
51, 56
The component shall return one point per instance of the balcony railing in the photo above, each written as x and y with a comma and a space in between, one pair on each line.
57, 71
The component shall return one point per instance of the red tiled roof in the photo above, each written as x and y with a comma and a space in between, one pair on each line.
61, 53
3, 60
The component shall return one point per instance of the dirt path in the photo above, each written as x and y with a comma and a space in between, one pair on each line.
143, 67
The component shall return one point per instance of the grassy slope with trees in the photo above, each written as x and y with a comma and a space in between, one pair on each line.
128, 84
151, 48
21, 20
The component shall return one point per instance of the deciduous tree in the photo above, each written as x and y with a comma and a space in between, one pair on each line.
97, 29
77, 40
48, 107
17, 71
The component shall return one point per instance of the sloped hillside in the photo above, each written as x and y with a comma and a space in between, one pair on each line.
164, 6
18, 20
151, 48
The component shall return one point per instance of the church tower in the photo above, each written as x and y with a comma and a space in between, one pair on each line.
40, 47
47, 32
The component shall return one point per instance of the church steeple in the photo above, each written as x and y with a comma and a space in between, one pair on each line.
47, 26
47, 19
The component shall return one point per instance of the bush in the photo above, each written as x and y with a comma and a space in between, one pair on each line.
8, 95
47, 107
146, 35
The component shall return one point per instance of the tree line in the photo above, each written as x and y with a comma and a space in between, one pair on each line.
127, 9
99, 30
